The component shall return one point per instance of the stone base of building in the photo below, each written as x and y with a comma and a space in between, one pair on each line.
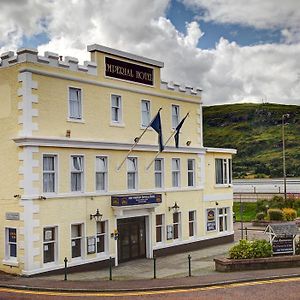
194, 246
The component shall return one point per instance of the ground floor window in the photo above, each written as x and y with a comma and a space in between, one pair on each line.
159, 228
223, 219
76, 239
176, 225
192, 223
11, 243
101, 236
49, 244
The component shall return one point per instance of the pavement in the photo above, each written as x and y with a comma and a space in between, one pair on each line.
137, 275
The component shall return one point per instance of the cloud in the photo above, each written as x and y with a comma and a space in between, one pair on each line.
226, 73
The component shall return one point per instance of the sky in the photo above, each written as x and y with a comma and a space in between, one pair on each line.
234, 50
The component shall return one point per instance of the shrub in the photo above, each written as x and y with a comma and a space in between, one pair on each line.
260, 216
251, 249
277, 202
261, 205
297, 203
289, 214
275, 214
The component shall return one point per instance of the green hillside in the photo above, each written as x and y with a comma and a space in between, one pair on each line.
255, 130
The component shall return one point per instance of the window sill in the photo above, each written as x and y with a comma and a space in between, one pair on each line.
226, 185
112, 124
76, 120
10, 262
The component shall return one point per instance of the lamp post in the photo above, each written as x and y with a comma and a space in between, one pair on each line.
283, 154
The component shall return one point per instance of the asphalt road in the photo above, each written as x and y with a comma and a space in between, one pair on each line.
278, 289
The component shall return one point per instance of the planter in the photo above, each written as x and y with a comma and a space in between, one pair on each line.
231, 265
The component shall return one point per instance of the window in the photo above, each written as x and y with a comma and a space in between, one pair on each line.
160, 228
76, 173
176, 225
11, 243
75, 109
131, 173
49, 244
192, 223
175, 116
223, 171
145, 113
223, 219
101, 173
76, 240
116, 108
49, 173
191, 172
158, 173
101, 236
175, 172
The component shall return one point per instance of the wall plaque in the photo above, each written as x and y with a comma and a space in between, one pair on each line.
126, 200
127, 71
12, 216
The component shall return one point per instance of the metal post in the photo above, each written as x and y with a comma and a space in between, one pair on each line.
246, 231
154, 267
190, 265
110, 268
66, 266
241, 213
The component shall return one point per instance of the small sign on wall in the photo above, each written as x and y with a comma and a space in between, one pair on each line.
12, 216
169, 232
91, 244
211, 219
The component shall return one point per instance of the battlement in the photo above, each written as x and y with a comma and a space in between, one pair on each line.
172, 86
49, 58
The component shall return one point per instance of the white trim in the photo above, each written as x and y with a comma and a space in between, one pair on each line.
220, 150
195, 99
56, 161
218, 197
82, 256
141, 112
26, 105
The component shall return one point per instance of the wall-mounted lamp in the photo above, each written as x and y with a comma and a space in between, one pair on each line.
68, 133
97, 216
42, 198
188, 143
175, 207
217, 203
17, 196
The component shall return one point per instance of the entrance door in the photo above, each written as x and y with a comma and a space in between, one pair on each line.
132, 239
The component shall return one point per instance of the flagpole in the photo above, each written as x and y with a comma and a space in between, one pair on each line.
165, 144
136, 140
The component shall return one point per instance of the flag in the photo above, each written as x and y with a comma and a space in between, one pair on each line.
156, 125
177, 131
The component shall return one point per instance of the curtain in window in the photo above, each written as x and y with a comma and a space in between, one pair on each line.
145, 113
219, 171
76, 175
101, 169
75, 103
131, 173
49, 174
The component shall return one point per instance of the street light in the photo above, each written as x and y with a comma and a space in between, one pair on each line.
283, 154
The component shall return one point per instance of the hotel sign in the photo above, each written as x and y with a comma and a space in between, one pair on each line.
127, 71
135, 199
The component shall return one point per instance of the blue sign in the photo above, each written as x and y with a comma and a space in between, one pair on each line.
126, 200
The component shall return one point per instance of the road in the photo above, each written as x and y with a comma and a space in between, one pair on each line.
278, 289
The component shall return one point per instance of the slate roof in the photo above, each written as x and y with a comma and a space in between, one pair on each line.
282, 229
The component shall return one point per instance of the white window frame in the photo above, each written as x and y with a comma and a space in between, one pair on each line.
193, 222
191, 172
53, 241
223, 217
105, 172
73, 171
82, 239
8, 256
55, 172
147, 113
176, 173
135, 173
105, 237
161, 227
80, 116
118, 107
175, 115
177, 224
159, 173
226, 171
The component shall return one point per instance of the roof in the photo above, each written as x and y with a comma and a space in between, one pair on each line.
282, 229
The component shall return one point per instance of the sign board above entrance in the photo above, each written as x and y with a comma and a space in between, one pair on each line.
126, 200
127, 71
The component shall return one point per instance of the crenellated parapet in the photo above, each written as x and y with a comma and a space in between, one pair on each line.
172, 86
49, 58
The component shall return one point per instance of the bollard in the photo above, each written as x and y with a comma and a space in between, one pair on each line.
190, 265
154, 267
246, 232
110, 268
66, 266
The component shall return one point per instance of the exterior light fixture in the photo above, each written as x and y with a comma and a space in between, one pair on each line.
175, 207
17, 196
68, 133
97, 216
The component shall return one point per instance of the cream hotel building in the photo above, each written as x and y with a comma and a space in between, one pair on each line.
69, 185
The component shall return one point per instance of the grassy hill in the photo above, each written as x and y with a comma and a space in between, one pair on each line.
255, 130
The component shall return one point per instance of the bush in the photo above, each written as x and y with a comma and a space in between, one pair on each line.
289, 214
261, 205
251, 249
277, 202
260, 216
275, 214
